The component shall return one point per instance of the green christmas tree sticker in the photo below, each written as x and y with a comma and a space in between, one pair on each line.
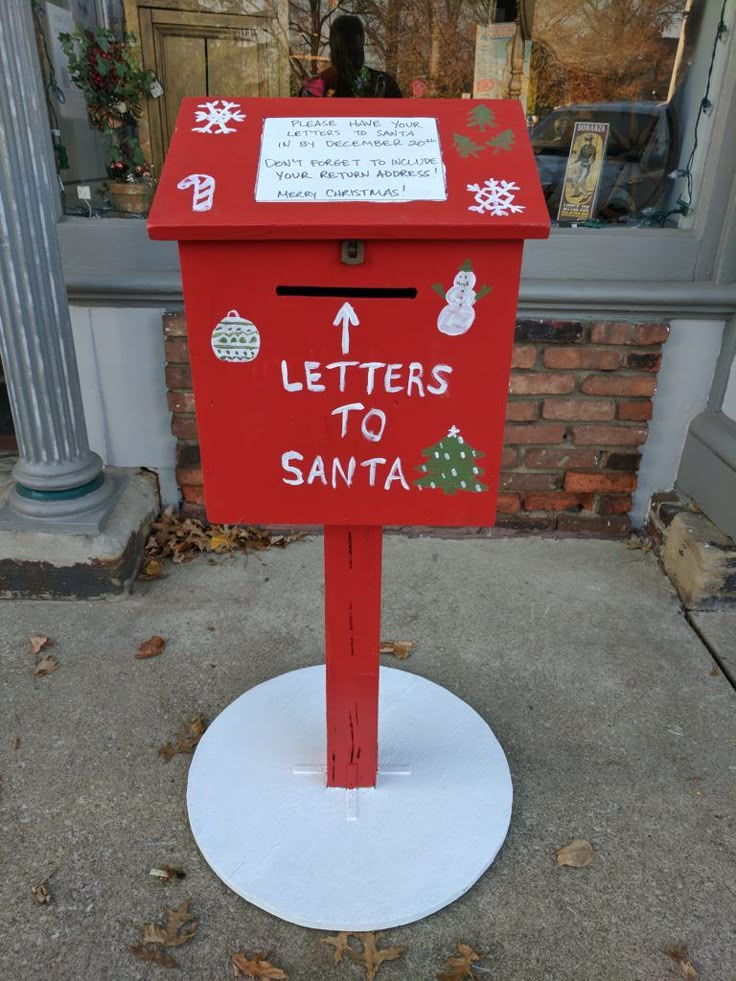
467, 147
482, 116
502, 141
451, 466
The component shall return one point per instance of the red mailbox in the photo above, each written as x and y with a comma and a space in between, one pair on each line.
350, 275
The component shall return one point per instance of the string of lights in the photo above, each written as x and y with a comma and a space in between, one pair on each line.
684, 202
650, 216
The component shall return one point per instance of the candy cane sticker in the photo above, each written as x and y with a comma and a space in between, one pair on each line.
204, 190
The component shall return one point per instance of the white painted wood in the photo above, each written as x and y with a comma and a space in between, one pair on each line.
93, 401
120, 353
729, 398
358, 860
688, 361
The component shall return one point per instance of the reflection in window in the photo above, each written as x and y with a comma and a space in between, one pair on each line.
606, 85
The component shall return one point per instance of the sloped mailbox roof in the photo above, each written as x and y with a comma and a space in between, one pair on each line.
349, 169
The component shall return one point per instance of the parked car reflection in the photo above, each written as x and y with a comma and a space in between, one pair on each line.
641, 153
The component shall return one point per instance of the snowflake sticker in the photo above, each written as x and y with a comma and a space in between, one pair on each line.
495, 198
217, 113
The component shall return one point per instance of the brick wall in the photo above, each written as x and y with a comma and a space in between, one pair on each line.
580, 398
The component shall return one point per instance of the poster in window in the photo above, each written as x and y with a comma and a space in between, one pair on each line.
492, 74
584, 172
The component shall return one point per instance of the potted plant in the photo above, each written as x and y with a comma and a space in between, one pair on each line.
105, 66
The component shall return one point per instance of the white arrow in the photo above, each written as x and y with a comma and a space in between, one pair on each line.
348, 318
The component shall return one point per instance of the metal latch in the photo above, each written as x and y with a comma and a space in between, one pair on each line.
352, 252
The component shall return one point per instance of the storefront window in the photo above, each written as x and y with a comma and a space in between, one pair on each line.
609, 87
80, 148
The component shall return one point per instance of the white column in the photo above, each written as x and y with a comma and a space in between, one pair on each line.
58, 478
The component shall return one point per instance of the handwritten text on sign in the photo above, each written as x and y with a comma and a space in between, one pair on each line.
350, 159
414, 379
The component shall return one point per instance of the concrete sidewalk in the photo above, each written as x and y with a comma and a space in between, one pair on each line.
615, 724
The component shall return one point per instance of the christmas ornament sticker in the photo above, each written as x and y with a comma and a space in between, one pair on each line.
458, 315
235, 340
451, 466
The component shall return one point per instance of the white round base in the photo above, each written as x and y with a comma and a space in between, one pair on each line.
354, 860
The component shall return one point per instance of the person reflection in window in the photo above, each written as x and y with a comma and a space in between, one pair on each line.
348, 76
562, 130
583, 164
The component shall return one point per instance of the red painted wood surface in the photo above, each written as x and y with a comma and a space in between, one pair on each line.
352, 634
248, 420
232, 159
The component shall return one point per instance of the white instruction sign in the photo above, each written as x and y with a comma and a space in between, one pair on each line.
351, 159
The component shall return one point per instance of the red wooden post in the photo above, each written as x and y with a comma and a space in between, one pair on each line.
352, 637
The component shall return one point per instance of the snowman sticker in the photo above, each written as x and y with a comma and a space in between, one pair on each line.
458, 315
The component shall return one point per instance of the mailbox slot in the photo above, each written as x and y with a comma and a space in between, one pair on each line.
352, 292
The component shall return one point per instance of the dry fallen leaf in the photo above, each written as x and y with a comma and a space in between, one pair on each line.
641, 543
578, 854
166, 873
154, 954
186, 739
460, 966
222, 541
255, 967
37, 643
16, 742
371, 957
340, 943
41, 894
679, 954
151, 647
399, 648
178, 927
183, 539
171, 933
151, 569
47, 665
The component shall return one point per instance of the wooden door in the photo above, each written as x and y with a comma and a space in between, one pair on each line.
195, 52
